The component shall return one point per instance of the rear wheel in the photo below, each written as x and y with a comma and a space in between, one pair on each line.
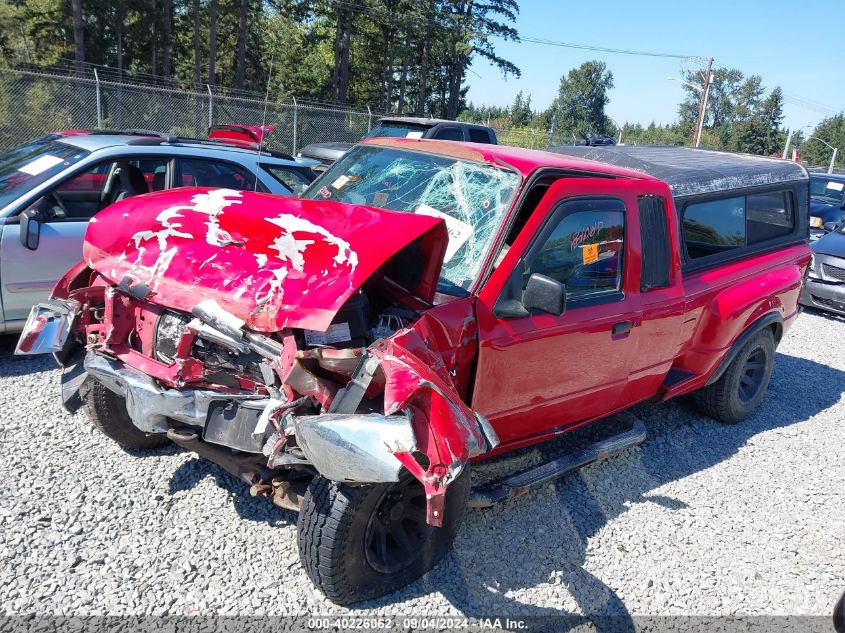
108, 414
739, 390
362, 542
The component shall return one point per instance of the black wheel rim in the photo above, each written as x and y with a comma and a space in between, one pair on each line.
397, 529
751, 376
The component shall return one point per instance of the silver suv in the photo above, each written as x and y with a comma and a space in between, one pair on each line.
52, 186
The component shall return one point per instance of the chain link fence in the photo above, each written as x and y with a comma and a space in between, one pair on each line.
33, 104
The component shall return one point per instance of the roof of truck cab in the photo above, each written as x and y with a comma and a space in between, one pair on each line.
690, 171
525, 161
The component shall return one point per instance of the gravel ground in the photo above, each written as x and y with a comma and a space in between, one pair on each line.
702, 519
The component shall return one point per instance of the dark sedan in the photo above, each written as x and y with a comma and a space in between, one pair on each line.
827, 201
825, 285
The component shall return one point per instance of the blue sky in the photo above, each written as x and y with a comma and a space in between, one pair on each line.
798, 46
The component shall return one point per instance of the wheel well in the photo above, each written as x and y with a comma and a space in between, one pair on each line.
774, 324
777, 331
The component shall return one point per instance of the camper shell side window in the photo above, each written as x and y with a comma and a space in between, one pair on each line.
730, 225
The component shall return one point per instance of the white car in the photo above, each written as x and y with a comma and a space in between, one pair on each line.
50, 187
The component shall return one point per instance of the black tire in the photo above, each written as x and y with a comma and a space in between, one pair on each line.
336, 522
108, 414
739, 391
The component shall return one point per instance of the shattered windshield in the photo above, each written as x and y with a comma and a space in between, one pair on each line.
472, 198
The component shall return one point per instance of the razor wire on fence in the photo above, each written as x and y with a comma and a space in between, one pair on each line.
33, 104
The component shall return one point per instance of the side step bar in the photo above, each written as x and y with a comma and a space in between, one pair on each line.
515, 485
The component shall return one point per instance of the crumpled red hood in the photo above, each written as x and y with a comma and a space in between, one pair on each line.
272, 261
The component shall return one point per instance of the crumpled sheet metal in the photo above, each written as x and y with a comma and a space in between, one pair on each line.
447, 431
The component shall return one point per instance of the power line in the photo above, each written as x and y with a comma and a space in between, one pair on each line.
605, 49
809, 105
530, 38
817, 104
800, 102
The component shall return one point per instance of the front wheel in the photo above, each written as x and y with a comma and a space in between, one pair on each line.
107, 412
362, 542
740, 389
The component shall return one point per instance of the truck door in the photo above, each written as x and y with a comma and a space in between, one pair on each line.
542, 371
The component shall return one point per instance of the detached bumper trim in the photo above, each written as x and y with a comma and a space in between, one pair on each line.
48, 327
149, 405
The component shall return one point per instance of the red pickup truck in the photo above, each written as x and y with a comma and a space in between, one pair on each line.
426, 304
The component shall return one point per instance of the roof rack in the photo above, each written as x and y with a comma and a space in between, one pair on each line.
142, 132
204, 141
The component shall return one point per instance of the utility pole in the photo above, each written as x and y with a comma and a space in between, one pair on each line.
702, 106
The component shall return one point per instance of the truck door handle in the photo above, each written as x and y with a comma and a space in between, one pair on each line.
622, 328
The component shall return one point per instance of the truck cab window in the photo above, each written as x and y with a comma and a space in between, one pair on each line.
477, 135
583, 248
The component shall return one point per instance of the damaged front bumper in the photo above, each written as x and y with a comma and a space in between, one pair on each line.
350, 415
150, 406
342, 447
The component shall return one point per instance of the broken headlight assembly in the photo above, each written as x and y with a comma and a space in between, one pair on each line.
169, 329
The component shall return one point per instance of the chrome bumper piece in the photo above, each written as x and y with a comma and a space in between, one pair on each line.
355, 447
149, 405
48, 327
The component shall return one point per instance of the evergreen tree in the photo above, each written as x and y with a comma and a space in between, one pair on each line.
521, 114
582, 97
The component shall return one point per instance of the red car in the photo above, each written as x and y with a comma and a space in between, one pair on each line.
424, 305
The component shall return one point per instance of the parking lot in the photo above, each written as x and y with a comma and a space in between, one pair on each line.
701, 519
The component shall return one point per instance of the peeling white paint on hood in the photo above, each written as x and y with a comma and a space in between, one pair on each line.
292, 250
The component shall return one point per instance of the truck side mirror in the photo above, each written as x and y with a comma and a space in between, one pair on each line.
829, 227
545, 294
510, 309
541, 293
31, 225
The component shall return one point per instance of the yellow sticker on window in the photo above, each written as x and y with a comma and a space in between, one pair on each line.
590, 253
